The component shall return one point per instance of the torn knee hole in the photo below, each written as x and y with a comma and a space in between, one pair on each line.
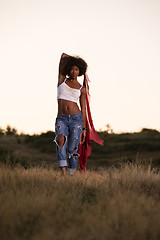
58, 127
60, 140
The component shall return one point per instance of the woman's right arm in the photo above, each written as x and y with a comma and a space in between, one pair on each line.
61, 76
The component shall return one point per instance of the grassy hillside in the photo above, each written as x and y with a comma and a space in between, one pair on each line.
114, 203
117, 198
40, 150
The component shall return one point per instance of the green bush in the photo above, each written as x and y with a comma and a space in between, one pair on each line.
7, 158
44, 141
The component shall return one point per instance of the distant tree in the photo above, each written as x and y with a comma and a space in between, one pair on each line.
109, 129
1, 131
14, 131
10, 131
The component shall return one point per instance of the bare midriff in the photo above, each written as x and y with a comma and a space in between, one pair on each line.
66, 107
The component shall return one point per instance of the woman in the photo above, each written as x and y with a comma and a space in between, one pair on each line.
70, 126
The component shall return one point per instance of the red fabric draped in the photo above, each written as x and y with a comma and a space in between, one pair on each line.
85, 149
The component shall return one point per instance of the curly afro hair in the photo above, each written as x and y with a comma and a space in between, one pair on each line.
69, 62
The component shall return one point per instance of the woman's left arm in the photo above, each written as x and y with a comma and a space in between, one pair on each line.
83, 110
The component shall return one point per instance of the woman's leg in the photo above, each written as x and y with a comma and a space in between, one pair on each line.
63, 169
73, 143
61, 131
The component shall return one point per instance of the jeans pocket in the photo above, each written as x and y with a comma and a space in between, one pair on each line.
59, 120
78, 117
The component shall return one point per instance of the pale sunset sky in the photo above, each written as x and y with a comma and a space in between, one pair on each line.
120, 41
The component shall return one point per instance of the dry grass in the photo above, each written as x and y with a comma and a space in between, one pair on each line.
109, 204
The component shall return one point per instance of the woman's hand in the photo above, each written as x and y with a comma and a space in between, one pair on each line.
82, 137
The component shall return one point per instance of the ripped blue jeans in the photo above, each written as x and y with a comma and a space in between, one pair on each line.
70, 126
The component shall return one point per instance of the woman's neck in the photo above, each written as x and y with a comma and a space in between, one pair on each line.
73, 79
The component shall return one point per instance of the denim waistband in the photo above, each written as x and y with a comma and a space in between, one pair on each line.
71, 115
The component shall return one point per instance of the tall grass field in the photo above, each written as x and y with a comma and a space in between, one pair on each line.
106, 204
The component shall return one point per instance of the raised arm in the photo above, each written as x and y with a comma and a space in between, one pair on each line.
61, 76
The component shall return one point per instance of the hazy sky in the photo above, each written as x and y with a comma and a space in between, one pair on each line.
120, 41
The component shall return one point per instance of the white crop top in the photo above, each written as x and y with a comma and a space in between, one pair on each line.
67, 93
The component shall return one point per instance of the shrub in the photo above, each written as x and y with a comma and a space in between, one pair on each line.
7, 158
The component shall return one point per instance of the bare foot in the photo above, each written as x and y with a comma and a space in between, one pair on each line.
63, 169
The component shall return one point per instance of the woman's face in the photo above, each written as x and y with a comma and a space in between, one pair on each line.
74, 72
